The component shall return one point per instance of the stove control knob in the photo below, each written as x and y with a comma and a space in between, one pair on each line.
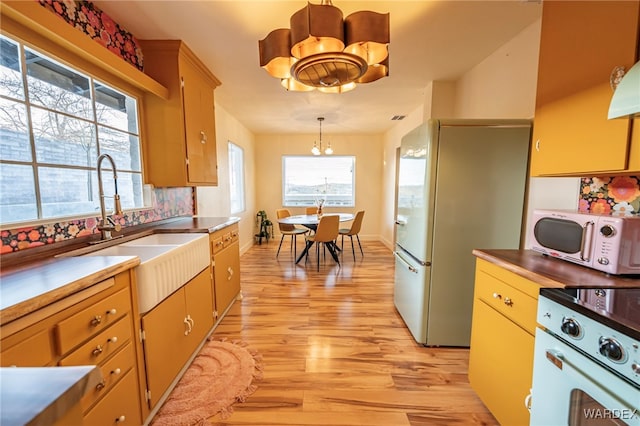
611, 349
571, 327
635, 367
607, 231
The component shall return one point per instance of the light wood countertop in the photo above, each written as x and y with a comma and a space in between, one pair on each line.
28, 289
550, 272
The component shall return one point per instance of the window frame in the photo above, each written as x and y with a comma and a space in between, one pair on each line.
239, 175
312, 199
98, 77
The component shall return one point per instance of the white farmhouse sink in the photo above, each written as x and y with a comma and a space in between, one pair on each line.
167, 262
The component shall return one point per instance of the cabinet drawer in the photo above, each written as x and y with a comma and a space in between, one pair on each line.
98, 349
77, 328
112, 371
118, 407
34, 351
234, 235
512, 303
216, 244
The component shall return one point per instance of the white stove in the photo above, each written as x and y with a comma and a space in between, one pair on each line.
587, 358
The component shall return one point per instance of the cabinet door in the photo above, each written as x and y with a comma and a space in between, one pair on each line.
226, 276
581, 43
164, 332
199, 308
500, 364
199, 119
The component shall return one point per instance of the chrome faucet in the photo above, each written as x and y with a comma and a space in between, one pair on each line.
107, 224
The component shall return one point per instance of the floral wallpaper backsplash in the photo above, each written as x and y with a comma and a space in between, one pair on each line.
96, 24
619, 194
167, 203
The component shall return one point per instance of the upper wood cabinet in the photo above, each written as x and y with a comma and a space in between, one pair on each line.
581, 44
180, 142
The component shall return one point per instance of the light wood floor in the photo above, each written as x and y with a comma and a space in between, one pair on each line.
335, 350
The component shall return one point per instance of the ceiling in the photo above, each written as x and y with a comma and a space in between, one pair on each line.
430, 40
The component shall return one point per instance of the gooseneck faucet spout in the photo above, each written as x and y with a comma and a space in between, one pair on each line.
107, 224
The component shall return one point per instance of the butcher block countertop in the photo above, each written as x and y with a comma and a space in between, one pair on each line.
54, 275
550, 272
26, 290
197, 224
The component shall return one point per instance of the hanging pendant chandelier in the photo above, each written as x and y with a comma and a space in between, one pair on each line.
324, 52
317, 148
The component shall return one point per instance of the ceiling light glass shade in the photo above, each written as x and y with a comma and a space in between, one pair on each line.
324, 52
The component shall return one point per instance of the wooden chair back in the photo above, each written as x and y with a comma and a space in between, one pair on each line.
328, 228
356, 224
282, 213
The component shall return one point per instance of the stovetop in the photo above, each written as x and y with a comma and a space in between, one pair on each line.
603, 324
618, 309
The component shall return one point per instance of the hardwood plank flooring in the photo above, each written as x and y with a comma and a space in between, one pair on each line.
335, 350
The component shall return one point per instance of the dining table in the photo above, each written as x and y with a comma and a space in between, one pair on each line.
311, 221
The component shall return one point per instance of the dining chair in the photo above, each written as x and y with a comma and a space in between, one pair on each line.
354, 230
326, 234
286, 229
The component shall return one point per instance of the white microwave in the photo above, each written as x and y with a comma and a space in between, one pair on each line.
606, 242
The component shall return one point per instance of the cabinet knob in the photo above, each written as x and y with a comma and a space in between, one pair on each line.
203, 137
497, 296
113, 339
101, 385
508, 301
229, 273
120, 419
116, 372
96, 320
538, 145
97, 351
112, 311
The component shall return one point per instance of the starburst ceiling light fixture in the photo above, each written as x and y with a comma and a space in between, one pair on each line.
317, 150
324, 52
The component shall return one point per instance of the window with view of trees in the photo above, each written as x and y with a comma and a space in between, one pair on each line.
54, 123
306, 179
236, 178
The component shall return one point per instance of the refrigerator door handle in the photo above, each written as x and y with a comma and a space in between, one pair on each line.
415, 259
409, 266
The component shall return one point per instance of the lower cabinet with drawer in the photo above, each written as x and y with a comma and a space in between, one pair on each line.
97, 330
502, 341
225, 262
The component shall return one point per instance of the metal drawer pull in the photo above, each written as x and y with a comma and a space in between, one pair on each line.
508, 301
497, 296
96, 320
97, 351
527, 401
120, 419
230, 273
101, 385
188, 330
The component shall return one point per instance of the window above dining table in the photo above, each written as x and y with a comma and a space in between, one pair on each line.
308, 179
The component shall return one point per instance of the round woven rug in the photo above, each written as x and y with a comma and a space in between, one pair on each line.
221, 374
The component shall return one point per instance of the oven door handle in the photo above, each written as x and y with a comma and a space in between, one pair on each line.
586, 240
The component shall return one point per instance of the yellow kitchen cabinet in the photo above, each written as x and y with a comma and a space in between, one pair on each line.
580, 46
77, 330
173, 330
502, 341
225, 256
180, 137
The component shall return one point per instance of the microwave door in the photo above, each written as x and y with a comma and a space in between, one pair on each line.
565, 236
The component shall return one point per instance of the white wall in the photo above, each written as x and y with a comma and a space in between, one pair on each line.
501, 86
215, 201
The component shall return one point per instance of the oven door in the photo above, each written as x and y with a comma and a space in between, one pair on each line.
570, 388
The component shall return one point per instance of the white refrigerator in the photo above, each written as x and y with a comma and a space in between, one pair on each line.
461, 186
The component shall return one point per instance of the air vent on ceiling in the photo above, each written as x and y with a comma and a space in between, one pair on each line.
398, 117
